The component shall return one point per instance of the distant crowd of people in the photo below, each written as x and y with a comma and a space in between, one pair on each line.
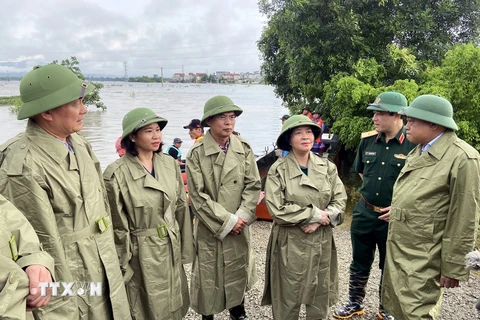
129, 228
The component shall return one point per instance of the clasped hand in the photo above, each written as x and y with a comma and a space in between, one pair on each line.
312, 227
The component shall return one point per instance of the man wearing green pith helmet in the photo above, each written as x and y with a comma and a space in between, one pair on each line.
380, 157
434, 213
224, 187
50, 173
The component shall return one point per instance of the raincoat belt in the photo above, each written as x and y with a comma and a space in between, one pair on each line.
161, 232
371, 206
98, 227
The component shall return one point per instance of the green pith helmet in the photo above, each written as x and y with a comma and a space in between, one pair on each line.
317, 112
390, 101
48, 87
431, 108
298, 120
138, 118
217, 105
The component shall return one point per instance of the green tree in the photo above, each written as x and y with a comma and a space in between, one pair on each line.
457, 79
93, 98
307, 42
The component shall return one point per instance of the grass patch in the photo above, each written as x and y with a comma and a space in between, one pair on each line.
9, 101
13, 103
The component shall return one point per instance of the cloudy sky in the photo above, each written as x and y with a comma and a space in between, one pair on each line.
200, 35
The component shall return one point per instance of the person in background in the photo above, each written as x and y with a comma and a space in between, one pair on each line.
283, 152
224, 187
434, 213
306, 199
118, 147
174, 150
195, 130
24, 265
318, 146
150, 219
52, 176
380, 157
307, 112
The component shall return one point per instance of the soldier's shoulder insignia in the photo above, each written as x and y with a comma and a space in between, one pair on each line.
369, 134
400, 156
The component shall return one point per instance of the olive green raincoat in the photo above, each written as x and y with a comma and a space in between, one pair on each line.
153, 235
432, 226
63, 196
19, 248
302, 268
222, 187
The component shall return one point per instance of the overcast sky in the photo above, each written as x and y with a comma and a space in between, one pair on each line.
201, 35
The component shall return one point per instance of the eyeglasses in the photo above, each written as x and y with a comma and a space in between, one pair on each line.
224, 117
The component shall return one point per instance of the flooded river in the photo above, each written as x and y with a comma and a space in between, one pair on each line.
260, 123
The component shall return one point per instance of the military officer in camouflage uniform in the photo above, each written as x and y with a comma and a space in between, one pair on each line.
434, 213
50, 173
380, 157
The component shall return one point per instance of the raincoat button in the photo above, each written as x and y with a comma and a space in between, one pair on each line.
13, 278
234, 181
100, 270
92, 237
23, 146
65, 298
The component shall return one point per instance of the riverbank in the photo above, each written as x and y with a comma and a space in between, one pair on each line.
9, 101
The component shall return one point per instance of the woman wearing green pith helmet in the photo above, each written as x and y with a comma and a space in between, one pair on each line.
306, 199
153, 231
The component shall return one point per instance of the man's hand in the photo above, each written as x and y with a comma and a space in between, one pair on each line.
311, 228
386, 214
446, 282
241, 223
36, 274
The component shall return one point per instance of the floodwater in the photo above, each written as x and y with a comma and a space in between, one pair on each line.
179, 103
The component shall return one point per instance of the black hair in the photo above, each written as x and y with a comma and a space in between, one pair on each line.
131, 148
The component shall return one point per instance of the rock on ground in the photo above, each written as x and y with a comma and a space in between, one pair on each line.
458, 303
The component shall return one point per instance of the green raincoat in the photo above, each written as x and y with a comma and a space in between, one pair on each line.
19, 248
63, 196
432, 226
222, 187
302, 268
153, 235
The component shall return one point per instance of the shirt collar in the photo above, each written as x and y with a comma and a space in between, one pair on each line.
428, 145
400, 137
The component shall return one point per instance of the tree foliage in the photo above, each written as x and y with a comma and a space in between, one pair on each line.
94, 97
338, 55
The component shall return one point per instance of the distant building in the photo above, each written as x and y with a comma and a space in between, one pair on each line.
178, 77
198, 76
